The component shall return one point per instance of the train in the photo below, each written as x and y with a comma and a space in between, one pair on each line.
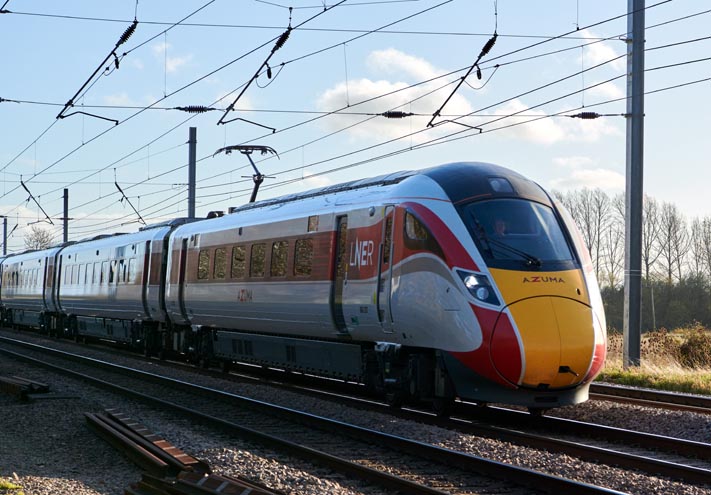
460, 281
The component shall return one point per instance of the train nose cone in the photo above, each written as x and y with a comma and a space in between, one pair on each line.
555, 344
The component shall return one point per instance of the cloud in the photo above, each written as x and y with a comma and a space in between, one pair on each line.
548, 131
392, 61
544, 131
584, 171
608, 90
315, 181
172, 63
599, 52
422, 99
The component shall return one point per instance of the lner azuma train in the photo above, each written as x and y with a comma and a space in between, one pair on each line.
463, 280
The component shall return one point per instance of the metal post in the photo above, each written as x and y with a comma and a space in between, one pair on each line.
66, 215
4, 236
192, 152
634, 184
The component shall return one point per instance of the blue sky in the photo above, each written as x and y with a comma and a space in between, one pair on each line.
328, 84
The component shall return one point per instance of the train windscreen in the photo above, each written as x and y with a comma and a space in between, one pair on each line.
512, 232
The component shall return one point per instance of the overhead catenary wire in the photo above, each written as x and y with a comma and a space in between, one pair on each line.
434, 142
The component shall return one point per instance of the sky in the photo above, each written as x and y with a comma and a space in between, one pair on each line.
86, 107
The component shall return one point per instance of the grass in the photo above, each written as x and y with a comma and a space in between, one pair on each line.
9, 488
677, 361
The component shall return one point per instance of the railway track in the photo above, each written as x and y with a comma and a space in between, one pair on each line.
651, 398
388, 460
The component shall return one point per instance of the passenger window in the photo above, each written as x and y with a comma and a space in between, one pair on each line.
104, 271
414, 228
257, 261
387, 245
239, 261
81, 274
203, 264
280, 251
220, 263
303, 257
112, 272
132, 270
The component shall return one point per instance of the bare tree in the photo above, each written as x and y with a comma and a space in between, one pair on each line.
697, 248
705, 240
650, 234
612, 250
38, 238
591, 210
674, 242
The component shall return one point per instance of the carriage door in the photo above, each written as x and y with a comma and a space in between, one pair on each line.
385, 271
340, 278
181, 278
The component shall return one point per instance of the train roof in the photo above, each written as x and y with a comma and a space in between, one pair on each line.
461, 181
382, 180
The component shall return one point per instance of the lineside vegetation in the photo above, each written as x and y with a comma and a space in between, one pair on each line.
678, 360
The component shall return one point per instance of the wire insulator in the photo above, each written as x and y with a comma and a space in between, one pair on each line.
282, 39
478, 72
396, 114
489, 45
127, 34
194, 109
586, 115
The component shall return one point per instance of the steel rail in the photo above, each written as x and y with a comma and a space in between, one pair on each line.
651, 398
511, 474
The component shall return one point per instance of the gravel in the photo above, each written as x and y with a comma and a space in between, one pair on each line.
77, 462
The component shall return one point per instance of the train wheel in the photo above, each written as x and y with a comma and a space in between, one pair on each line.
537, 412
394, 399
442, 406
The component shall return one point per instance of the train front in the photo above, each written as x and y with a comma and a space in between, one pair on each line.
534, 294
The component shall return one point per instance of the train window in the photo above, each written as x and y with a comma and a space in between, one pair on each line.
257, 260
313, 223
517, 231
239, 261
95, 274
132, 270
303, 257
387, 245
121, 275
220, 268
414, 229
104, 271
203, 264
280, 251
113, 276
81, 274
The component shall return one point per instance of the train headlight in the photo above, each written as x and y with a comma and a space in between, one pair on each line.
479, 287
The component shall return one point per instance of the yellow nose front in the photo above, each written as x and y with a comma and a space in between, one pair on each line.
558, 339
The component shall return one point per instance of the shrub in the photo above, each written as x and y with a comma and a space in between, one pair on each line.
695, 352
660, 344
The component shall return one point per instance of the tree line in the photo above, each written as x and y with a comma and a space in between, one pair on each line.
676, 258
